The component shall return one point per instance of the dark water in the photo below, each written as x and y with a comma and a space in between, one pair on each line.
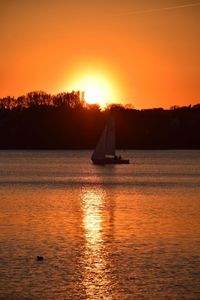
112, 232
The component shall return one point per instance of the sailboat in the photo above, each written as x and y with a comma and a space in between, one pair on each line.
104, 152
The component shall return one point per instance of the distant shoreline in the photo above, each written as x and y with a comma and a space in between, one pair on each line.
35, 122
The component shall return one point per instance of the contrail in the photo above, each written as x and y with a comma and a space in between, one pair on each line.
158, 9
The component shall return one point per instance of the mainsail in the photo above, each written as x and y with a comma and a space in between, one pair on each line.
106, 143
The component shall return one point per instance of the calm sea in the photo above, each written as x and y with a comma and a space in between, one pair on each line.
105, 232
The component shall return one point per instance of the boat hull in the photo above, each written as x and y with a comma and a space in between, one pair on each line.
107, 161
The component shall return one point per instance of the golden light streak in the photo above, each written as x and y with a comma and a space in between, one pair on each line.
96, 280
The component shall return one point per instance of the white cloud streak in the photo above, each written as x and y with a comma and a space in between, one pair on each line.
137, 12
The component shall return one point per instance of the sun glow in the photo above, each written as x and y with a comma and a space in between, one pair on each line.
96, 89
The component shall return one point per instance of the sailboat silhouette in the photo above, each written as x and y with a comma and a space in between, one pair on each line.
105, 152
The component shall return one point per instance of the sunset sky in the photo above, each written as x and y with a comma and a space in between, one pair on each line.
142, 52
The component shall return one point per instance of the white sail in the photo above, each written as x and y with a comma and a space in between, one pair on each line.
106, 143
99, 152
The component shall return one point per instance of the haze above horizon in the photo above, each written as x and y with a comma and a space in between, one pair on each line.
144, 53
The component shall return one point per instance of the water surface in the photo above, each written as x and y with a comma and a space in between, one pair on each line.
106, 232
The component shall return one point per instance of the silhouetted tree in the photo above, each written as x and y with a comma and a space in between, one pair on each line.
65, 120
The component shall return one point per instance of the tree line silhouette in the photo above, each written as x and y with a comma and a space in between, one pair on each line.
39, 120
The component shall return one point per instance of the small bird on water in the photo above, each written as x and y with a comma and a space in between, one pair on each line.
39, 258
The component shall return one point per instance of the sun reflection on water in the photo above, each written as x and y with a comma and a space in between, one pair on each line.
96, 276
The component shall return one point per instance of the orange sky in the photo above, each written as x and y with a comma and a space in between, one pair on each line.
148, 51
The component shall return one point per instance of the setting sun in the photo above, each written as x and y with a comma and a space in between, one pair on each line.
96, 88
